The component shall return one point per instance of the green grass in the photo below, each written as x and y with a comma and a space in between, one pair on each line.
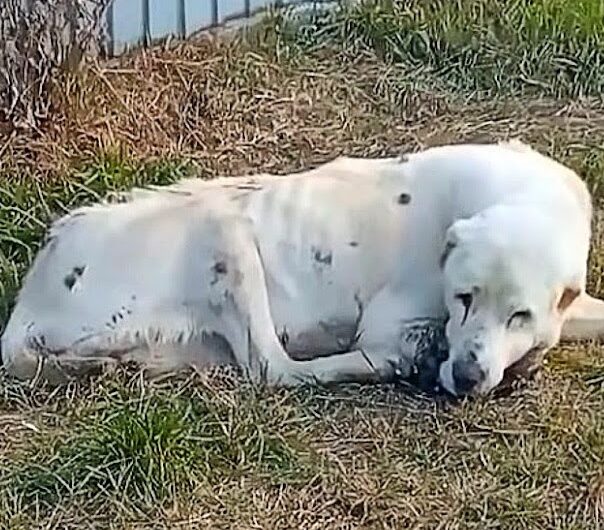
211, 451
127, 447
216, 449
478, 48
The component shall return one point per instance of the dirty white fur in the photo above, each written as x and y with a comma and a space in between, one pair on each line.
275, 273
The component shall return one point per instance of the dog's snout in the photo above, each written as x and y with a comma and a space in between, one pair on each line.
467, 375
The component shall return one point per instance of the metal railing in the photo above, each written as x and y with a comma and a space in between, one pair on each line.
185, 18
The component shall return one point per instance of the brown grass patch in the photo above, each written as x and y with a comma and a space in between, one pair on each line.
235, 110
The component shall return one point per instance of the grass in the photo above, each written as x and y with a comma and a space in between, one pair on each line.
137, 448
482, 48
209, 451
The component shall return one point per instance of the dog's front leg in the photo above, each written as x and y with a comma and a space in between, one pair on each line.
250, 328
402, 333
585, 319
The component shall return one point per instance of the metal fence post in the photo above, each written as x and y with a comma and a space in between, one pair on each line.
181, 18
146, 36
214, 12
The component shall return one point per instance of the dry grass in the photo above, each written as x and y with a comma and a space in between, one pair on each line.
209, 452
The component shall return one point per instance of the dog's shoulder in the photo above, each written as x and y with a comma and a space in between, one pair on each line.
567, 176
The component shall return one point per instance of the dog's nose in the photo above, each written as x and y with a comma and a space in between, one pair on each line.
467, 375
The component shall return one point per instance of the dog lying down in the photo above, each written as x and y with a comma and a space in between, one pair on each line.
326, 275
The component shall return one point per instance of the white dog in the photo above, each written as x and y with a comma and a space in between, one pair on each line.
319, 275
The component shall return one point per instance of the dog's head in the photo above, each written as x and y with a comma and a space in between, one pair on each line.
508, 282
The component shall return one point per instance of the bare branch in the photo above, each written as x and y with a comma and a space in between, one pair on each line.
38, 40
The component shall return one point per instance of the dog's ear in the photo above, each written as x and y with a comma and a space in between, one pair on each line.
449, 246
452, 238
569, 295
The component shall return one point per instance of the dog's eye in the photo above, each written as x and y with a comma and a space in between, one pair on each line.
466, 300
520, 317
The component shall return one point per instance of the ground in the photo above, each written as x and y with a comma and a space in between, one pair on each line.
207, 450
